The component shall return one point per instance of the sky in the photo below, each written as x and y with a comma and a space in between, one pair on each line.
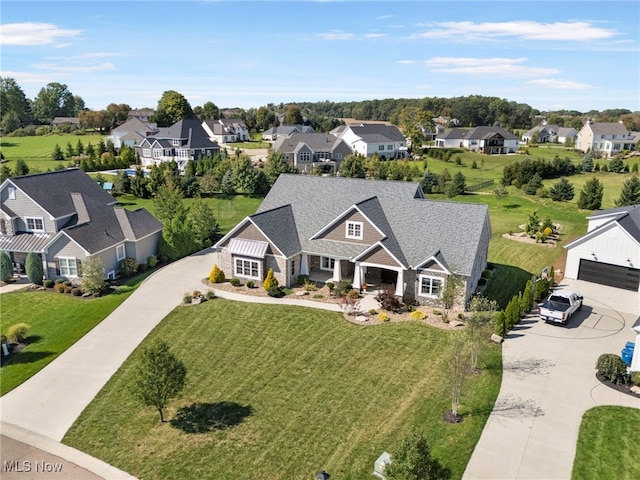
551, 55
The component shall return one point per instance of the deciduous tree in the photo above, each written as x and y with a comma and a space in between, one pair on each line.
353, 167
413, 461
172, 107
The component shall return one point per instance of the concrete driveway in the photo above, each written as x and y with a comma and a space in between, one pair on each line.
548, 383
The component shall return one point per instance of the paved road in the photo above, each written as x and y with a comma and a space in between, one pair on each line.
548, 383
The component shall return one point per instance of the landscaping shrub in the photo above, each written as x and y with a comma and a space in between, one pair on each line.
187, 299
612, 367
343, 287
210, 295
67, 283
216, 275
59, 287
33, 267
152, 261
635, 378
128, 267
275, 292
310, 286
235, 282
541, 290
270, 281
383, 317
48, 283
372, 311
389, 301
418, 315
499, 327
330, 286
76, 292
318, 296
301, 280
250, 284
143, 267
18, 332
59, 280
6, 268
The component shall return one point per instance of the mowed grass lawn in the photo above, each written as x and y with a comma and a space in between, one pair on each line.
288, 391
608, 444
37, 150
57, 321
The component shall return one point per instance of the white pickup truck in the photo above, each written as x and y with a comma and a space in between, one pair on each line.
559, 306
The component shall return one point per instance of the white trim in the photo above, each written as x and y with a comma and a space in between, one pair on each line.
252, 261
38, 230
340, 217
11, 192
357, 227
240, 225
433, 257
75, 266
111, 275
124, 252
597, 231
429, 295
379, 244
330, 267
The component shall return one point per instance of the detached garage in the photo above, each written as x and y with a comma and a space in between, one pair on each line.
609, 253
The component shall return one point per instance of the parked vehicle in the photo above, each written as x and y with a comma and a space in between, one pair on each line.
559, 306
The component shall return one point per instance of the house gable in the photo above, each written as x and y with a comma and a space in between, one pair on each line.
378, 254
247, 230
345, 229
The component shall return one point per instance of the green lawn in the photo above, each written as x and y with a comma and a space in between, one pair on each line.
229, 212
283, 392
608, 444
57, 321
36, 151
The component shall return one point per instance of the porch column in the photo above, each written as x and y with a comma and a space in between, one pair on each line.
44, 265
304, 265
337, 271
400, 283
357, 276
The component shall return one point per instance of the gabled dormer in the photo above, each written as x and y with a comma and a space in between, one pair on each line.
352, 226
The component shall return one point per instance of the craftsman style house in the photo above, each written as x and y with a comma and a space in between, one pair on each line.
368, 138
65, 216
490, 140
381, 234
226, 130
132, 132
183, 141
550, 134
274, 133
304, 151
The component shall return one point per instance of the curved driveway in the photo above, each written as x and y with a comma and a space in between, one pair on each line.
548, 383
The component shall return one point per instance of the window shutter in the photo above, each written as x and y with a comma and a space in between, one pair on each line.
57, 267
79, 267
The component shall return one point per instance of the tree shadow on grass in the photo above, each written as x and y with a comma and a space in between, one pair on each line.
25, 357
205, 417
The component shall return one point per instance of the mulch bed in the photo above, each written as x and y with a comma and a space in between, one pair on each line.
623, 388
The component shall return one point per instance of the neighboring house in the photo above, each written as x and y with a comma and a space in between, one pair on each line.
56, 122
132, 132
65, 216
451, 139
380, 233
272, 134
142, 114
490, 140
307, 150
369, 138
183, 141
226, 130
608, 139
445, 121
609, 253
550, 134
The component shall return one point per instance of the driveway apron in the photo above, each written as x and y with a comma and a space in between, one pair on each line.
548, 383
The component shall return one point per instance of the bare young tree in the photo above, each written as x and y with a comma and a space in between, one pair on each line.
459, 371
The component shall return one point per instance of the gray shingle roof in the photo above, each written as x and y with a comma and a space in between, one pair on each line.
189, 130
377, 132
416, 228
608, 128
279, 226
453, 134
318, 142
485, 131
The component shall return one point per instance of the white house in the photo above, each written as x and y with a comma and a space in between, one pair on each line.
369, 138
608, 139
609, 253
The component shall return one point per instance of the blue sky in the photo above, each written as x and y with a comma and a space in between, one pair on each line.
552, 55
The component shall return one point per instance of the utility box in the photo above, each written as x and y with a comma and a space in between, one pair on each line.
380, 465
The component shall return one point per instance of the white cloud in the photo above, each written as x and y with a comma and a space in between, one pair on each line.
513, 67
33, 33
54, 68
406, 62
527, 30
559, 84
336, 35
375, 35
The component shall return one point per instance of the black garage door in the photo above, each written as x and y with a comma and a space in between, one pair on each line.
612, 275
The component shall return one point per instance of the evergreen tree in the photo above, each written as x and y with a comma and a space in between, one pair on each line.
353, 167
590, 197
226, 186
533, 185
33, 267
630, 194
616, 165
21, 168
561, 191
57, 153
457, 185
587, 162
122, 183
6, 268
429, 181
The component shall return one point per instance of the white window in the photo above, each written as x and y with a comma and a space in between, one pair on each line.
34, 224
157, 153
120, 254
381, 148
337, 156
247, 268
389, 147
327, 263
354, 230
305, 156
11, 191
175, 142
146, 152
68, 267
430, 286
182, 153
